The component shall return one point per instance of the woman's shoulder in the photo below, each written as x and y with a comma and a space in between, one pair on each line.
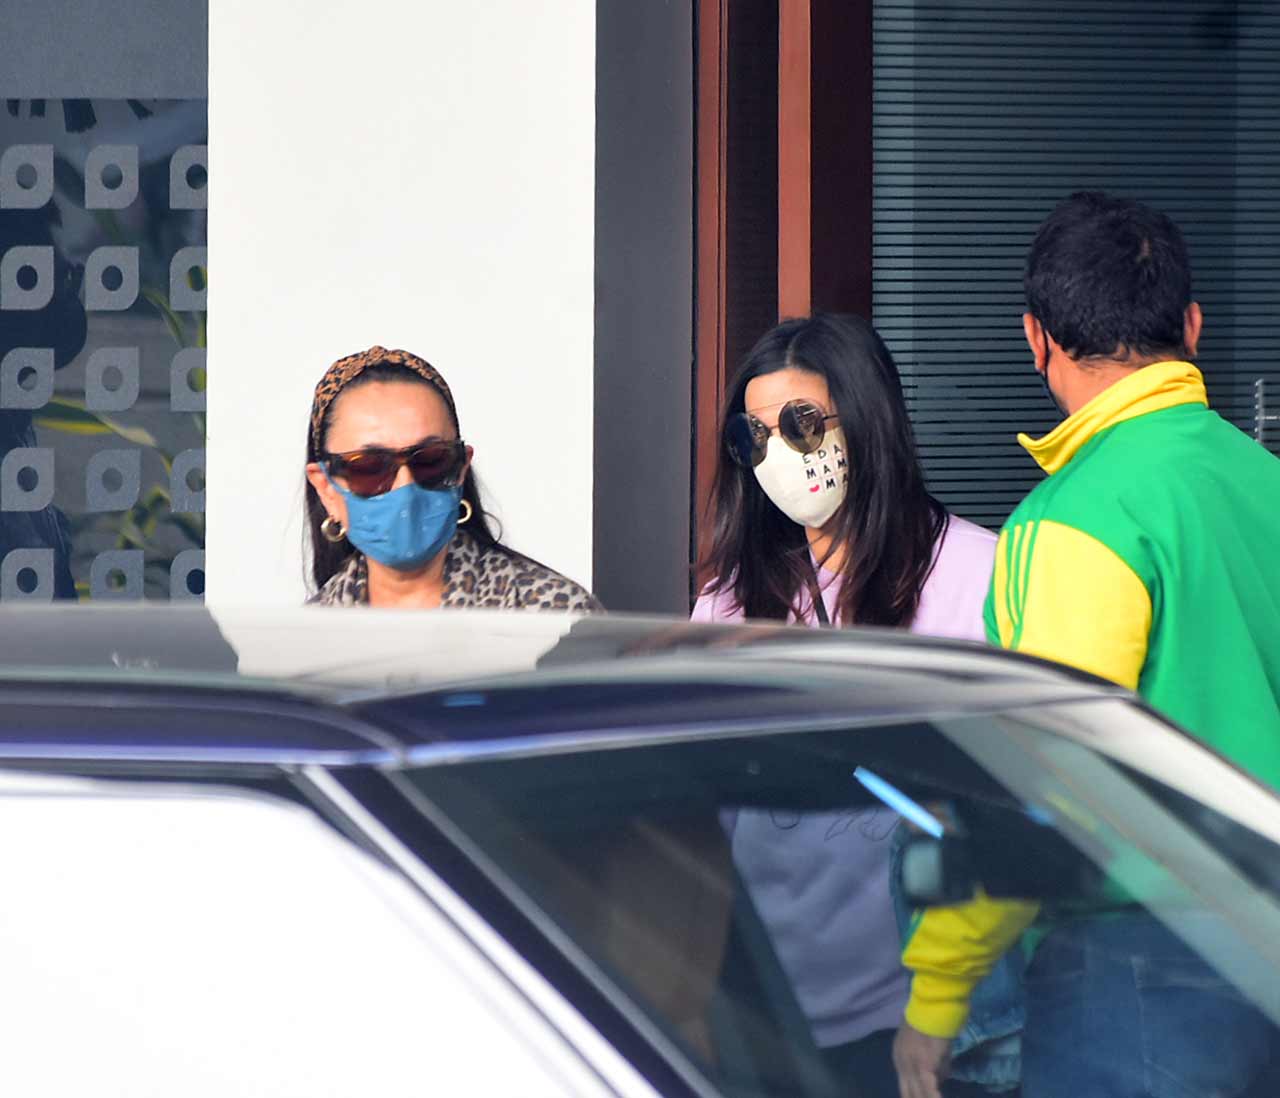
953, 595
963, 528
497, 576
965, 556
538, 587
348, 586
966, 542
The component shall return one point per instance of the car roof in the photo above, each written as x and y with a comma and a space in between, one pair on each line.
364, 686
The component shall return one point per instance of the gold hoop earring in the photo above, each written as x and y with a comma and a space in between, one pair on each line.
333, 530
466, 513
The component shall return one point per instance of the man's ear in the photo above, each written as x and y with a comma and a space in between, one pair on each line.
1192, 322
1034, 331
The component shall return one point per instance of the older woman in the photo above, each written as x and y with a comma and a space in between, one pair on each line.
393, 506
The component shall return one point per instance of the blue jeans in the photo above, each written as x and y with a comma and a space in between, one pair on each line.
1118, 1007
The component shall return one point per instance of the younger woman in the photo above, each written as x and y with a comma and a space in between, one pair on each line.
820, 515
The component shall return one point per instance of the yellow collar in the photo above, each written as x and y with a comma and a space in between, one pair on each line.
1149, 389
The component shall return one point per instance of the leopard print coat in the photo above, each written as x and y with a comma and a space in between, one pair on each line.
473, 577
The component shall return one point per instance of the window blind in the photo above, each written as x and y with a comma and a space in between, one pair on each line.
986, 114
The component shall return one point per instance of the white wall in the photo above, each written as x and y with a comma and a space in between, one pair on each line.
414, 173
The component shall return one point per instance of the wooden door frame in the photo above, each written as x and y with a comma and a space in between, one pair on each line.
710, 261
795, 162
821, 159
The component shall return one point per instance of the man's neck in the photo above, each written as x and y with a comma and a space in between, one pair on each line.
1088, 378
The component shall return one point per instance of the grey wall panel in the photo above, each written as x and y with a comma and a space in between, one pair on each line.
986, 115
643, 313
104, 49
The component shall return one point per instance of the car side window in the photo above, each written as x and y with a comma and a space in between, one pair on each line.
718, 884
638, 866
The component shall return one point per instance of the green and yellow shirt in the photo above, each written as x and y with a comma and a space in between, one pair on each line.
1149, 556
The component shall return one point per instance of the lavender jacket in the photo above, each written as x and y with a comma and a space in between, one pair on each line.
820, 881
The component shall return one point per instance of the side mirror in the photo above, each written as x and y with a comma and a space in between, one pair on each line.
1008, 854
937, 872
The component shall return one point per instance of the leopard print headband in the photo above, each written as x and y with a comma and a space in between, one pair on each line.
343, 372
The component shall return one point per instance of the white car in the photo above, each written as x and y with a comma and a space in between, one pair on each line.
374, 854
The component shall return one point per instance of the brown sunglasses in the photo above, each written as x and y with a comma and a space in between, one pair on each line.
435, 463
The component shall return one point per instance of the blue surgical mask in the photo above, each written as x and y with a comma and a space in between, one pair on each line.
403, 528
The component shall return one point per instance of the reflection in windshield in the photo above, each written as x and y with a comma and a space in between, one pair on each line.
900, 803
747, 893
1148, 847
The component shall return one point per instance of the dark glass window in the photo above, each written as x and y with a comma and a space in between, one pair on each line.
648, 859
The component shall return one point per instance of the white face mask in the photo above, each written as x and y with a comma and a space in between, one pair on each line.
807, 488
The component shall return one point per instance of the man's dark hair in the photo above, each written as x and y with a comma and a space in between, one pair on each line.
1109, 278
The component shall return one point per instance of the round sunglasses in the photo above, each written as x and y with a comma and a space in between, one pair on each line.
435, 463
801, 423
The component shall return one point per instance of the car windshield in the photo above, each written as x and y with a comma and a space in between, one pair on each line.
731, 887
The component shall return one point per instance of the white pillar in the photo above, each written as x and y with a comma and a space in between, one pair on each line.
414, 173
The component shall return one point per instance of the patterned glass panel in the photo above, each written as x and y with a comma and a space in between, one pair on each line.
102, 348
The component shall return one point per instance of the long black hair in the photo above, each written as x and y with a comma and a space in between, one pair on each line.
888, 523
328, 557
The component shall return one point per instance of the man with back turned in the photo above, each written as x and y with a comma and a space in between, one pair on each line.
1150, 555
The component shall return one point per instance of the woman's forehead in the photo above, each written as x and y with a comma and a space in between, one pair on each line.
387, 413
769, 392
